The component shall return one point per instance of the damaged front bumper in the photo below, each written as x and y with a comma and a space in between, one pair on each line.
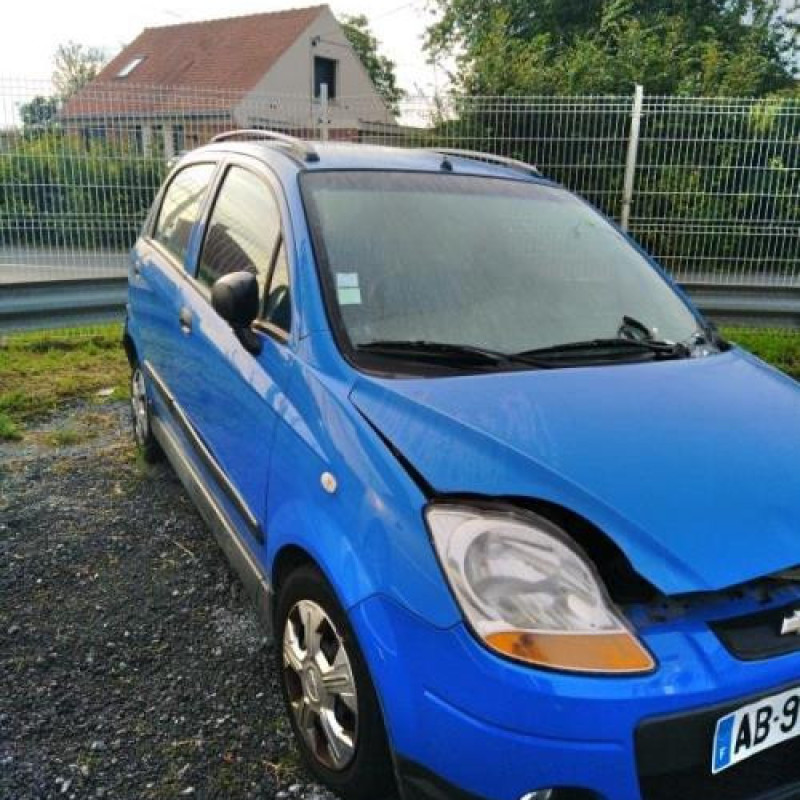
488, 728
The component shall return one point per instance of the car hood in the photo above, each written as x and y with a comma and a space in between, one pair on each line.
692, 466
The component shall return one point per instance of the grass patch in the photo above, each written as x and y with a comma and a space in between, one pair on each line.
9, 430
67, 437
40, 371
781, 348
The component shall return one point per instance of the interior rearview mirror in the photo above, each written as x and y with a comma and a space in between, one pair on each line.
235, 298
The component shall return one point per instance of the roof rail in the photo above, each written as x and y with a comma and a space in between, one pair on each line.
489, 158
304, 151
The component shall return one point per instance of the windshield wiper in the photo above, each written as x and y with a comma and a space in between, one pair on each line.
593, 348
444, 352
631, 324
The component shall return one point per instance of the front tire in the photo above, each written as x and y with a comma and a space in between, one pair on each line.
146, 443
328, 692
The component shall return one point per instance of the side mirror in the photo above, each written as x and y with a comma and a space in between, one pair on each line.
235, 298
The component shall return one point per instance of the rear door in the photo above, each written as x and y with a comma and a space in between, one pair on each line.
230, 396
159, 269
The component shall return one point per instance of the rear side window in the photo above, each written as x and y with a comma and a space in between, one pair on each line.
180, 208
243, 230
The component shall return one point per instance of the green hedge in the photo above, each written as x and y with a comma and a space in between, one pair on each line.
716, 187
56, 190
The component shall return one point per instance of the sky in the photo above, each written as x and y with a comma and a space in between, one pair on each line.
33, 30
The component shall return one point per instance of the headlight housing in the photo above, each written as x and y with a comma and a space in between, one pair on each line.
529, 593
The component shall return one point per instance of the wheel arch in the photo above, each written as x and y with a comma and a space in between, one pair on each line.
287, 559
292, 557
129, 346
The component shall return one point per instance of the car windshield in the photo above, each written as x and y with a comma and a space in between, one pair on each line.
506, 265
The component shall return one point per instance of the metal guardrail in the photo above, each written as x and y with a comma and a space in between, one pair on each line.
66, 303
754, 306
61, 304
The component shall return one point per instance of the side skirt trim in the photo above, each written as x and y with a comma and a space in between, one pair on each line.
236, 551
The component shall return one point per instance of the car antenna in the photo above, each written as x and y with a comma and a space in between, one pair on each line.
446, 164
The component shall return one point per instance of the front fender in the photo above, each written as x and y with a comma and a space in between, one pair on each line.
368, 536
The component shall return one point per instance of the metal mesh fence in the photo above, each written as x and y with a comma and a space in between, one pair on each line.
713, 183
718, 189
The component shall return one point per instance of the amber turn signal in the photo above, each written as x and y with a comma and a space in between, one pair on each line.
594, 652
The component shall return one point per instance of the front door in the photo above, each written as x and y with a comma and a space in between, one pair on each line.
228, 395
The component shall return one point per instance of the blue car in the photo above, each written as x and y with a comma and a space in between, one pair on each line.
523, 525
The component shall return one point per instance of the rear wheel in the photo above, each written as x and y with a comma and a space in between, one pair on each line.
329, 694
140, 417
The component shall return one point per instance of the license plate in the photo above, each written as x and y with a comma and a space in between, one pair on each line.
755, 728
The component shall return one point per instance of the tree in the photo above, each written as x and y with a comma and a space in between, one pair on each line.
75, 66
39, 112
380, 68
730, 47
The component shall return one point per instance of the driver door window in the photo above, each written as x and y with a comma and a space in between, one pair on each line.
243, 230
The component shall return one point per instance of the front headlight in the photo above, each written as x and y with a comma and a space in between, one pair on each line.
529, 593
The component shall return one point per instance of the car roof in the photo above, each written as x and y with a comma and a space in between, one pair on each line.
357, 156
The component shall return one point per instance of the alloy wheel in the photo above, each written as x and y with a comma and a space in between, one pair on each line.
320, 684
141, 424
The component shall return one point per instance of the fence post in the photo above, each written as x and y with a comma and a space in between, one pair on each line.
633, 154
324, 120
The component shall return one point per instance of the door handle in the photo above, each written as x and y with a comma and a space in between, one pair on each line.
185, 319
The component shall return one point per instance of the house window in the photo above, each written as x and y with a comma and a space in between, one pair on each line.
130, 67
178, 139
94, 134
324, 72
157, 143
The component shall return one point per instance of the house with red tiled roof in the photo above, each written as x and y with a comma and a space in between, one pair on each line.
176, 85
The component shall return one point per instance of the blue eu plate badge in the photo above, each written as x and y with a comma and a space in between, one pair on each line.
723, 743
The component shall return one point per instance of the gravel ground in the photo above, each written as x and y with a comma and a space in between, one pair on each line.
131, 664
